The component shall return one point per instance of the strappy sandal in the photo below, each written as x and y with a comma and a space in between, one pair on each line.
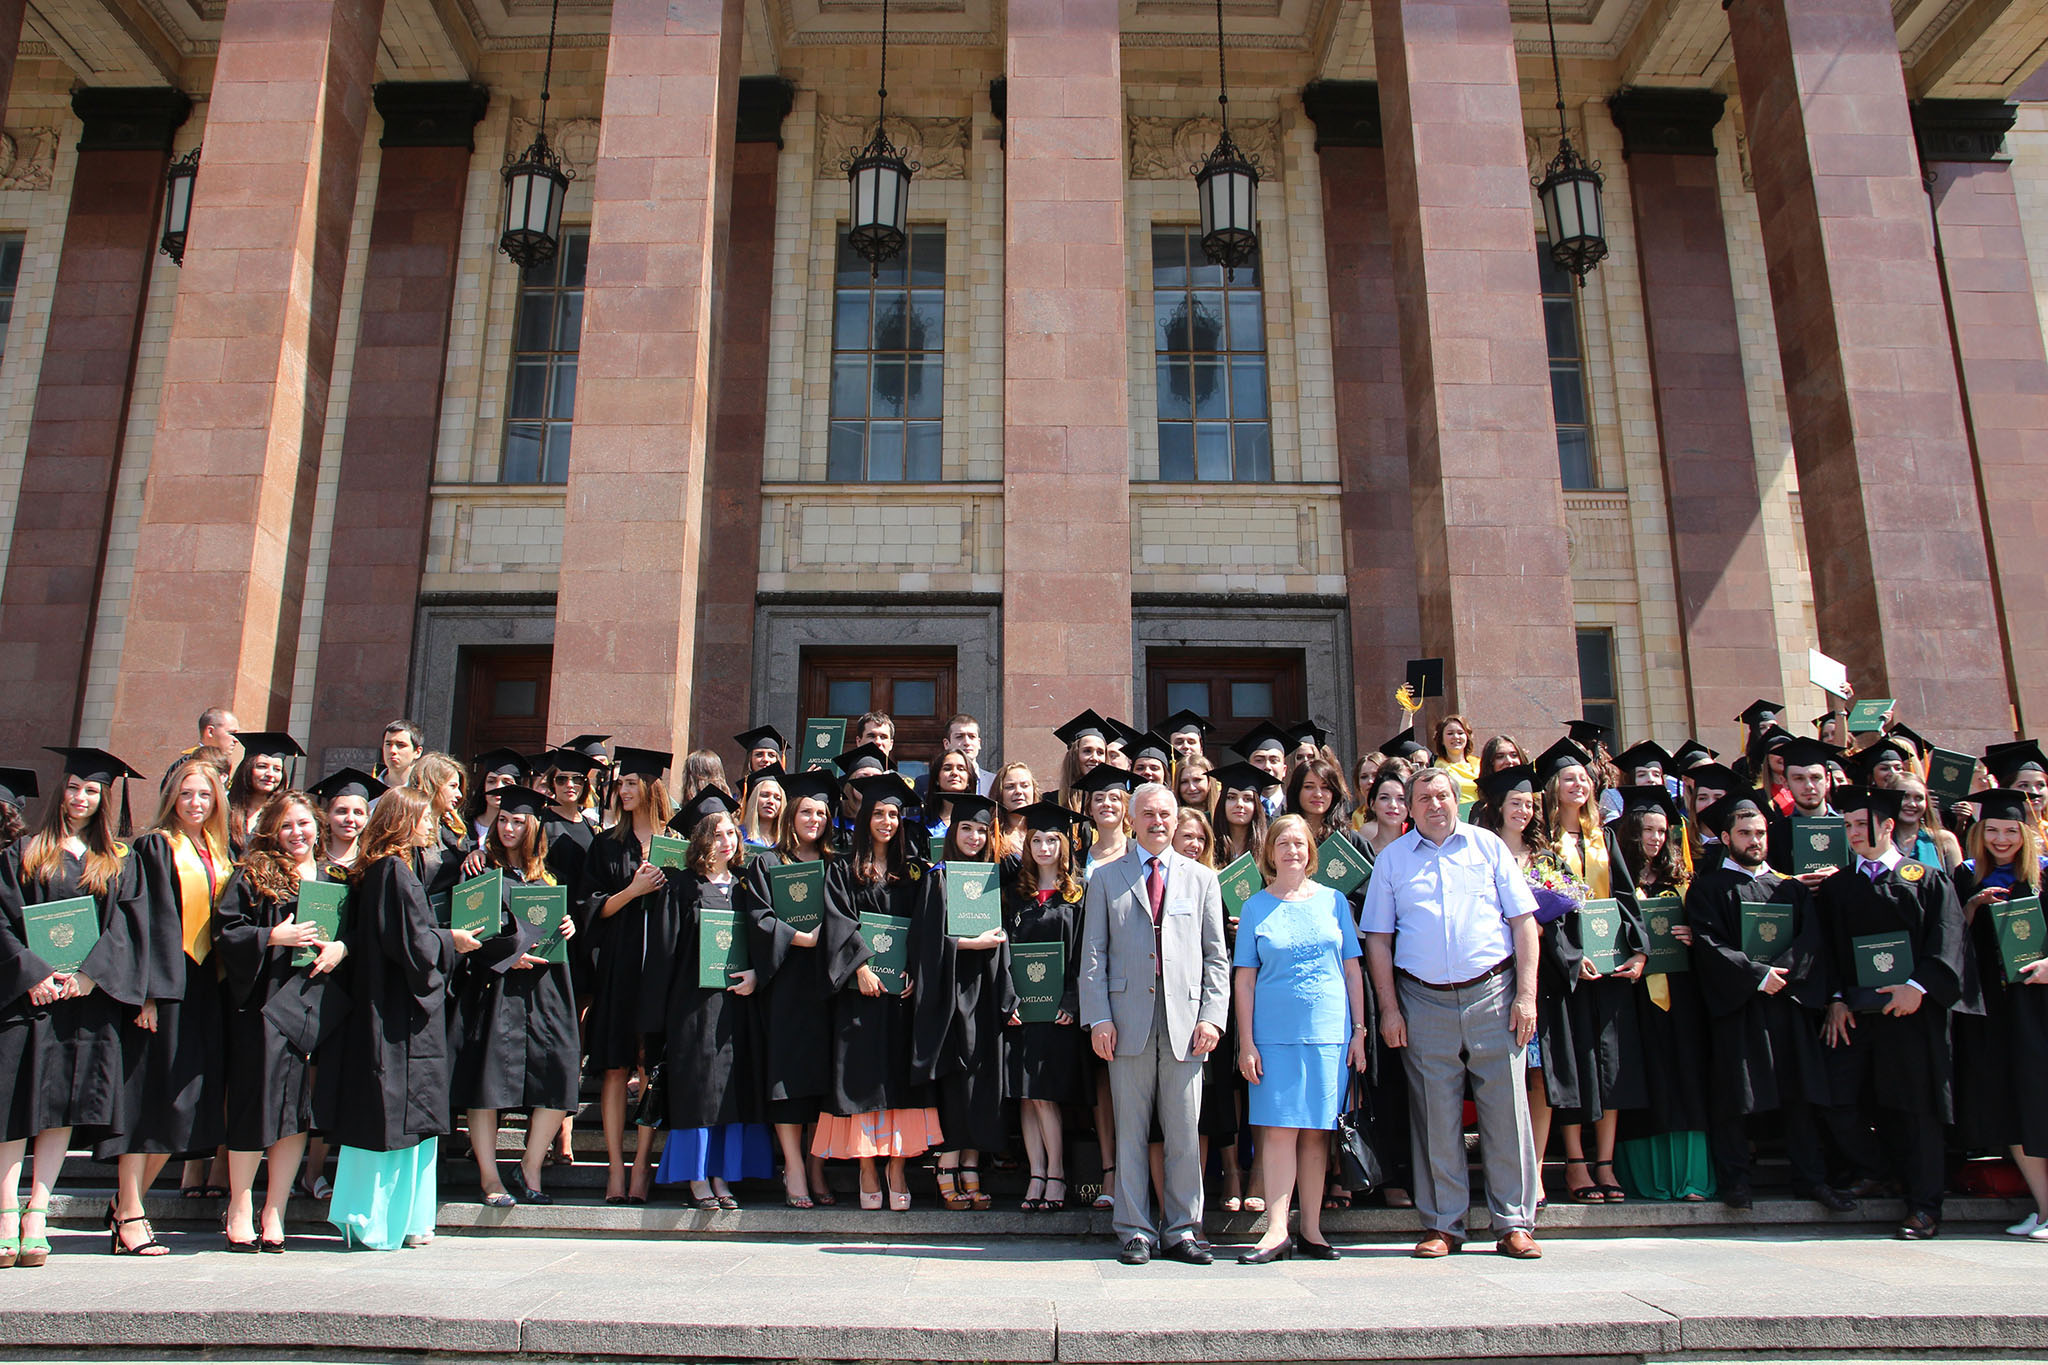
34, 1251
10, 1247
1255, 1203
1588, 1193
949, 1193
152, 1247
1049, 1204
1612, 1193
1104, 1198
970, 1185
1030, 1204
321, 1188
1336, 1197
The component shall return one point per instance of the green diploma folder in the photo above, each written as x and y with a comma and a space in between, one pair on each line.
1949, 775
823, 741
319, 903
479, 905
888, 939
974, 902
1240, 881
61, 933
721, 949
1867, 715
1766, 930
1882, 959
669, 851
542, 909
1662, 914
1820, 843
2021, 930
1039, 971
442, 905
1340, 866
1600, 934
797, 893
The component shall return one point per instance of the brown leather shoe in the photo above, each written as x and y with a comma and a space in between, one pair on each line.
1434, 1245
1519, 1245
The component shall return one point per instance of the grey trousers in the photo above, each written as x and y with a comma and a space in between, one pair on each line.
1138, 1084
1453, 1035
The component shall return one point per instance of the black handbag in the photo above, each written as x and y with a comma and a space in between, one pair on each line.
1358, 1165
652, 1110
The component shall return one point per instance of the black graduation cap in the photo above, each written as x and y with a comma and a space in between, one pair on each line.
1183, 720
347, 782
761, 737
1718, 777
1083, 725
1149, 746
1108, 777
813, 784
1691, 752
522, 800
308, 1010
978, 809
1805, 753
1776, 737
1558, 757
1585, 733
509, 762
772, 773
861, 756
2002, 803
1717, 817
593, 745
877, 788
1649, 798
2007, 761
1882, 802
271, 743
1402, 745
18, 785
1867, 758
705, 804
1918, 740
1122, 736
631, 762
566, 760
1264, 735
1240, 777
1825, 717
94, 765
1307, 732
1760, 712
1051, 817
1645, 754
1497, 787
1425, 677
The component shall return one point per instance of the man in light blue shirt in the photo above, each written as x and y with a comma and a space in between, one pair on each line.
1450, 939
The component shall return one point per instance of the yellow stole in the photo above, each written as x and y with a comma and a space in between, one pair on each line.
198, 885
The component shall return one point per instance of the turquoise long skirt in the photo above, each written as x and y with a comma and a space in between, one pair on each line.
382, 1198
1668, 1166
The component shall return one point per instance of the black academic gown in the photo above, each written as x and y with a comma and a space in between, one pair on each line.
439, 867
1676, 1057
62, 1065
1591, 1039
2001, 1056
381, 1082
872, 1037
516, 1044
963, 1001
1765, 1048
1897, 1062
707, 1038
175, 1102
1044, 1060
617, 947
568, 847
795, 1002
269, 1093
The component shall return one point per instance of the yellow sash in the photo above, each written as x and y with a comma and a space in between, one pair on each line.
198, 885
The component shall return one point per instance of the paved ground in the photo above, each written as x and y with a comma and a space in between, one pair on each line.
1017, 1299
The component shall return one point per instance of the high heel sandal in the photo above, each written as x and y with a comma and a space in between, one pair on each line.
899, 1203
1610, 1191
33, 1251
1104, 1197
1588, 1193
152, 1247
871, 1200
10, 1247
949, 1193
1031, 1205
1049, 1204
970, 1185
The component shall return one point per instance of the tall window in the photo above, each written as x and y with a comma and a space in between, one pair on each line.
1567, 372
1209, 336
540, 406
1598, 698
888, 363
10, 275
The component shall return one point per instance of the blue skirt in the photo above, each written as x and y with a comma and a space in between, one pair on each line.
729, 1152
1303, 1086
382, 1198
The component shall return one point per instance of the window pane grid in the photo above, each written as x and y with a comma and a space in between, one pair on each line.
540, 399
1599, 698
1568, 407
1209, 345
10, 275
888, 364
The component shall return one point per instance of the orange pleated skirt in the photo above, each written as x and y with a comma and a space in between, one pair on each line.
886, 1132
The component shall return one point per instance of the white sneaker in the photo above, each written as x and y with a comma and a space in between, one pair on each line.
2030, 1226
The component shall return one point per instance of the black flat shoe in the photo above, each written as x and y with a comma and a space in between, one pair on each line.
1137, 1251
249, 1247
615, 1199
524, 1192
1284, 1251
276, 1248
1317, 1251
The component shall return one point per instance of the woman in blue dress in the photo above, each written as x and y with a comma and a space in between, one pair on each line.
1301, 1018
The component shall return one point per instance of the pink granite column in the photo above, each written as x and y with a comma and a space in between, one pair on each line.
1066, 437
626, 609
1491, 564
1901, 585
220, 562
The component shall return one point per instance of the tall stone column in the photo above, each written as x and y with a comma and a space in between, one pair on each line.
220, 560
626, 608
1365, 356
379, 541
1996, 326
1710, 487
1066, 436
1491, 565
1901, 585
74, 442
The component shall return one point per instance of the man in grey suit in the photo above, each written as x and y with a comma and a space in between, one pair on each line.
1155, 993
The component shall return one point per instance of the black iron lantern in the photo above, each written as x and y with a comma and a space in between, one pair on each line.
1570, 191
1227, 186
537, 184
878, 177
178, 183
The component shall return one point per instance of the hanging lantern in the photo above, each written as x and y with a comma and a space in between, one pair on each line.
1227, 186
537, 184
878, 178
178, 183
1570, 190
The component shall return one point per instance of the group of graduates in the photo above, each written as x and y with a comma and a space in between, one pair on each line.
765, 970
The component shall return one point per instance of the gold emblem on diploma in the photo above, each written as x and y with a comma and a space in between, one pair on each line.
971, 890
1243, 889
2022, 929
723, 938
1818, 842
1767, 931
884, 942
1338, 867
1600, 927
1660, 925
1036, 972
1882, 961
62, 935
799, 892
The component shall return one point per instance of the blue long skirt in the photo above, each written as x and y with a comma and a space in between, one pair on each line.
382, 1198
729, 1152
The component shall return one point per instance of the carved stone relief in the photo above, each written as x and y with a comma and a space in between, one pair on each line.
1170, 148
27, 158
937, 146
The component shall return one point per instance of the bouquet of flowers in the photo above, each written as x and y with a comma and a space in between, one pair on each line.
1558, 892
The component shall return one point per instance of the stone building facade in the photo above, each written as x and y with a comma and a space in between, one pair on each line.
346, 464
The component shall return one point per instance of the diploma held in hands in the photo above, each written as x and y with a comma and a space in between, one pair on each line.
61, 933
1662, 914
721, 949
543, 910
888, 940
1820, 843
1240, 881
2021, 930
973, 904
1039, 971
1766, 930
797, 891
1340, 866
319, 903
1882, 959
668, 851
1600, 934
479, 906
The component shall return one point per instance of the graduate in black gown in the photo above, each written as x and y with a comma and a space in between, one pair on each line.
571, 826
795, 1008
876, 1107
275, 1006
345, 799
1889, 1045
1764, 1015
438, 865
380, 1087
263, 772
517, 1047
618, 888
2002, 1057
174, 1078
707, 1037
1042, 900
964, 999
63, 1034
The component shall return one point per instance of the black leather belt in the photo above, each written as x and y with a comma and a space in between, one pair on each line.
1495, 970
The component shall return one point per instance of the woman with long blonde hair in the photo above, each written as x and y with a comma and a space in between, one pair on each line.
438, 778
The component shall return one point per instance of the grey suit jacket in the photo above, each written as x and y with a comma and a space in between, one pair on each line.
1118, 972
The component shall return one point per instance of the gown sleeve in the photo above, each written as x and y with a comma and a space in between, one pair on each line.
839, 935
119, 963
934, 975
1940, 949
20, 969
669, 911
241, 938
155, 902
401, 928
769, 940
